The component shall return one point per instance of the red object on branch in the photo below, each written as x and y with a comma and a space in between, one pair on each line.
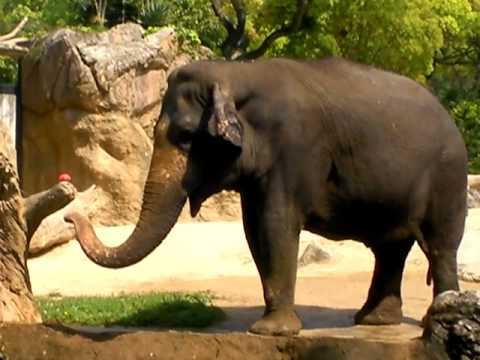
64, 177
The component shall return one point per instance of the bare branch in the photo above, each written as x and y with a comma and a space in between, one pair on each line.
14, 47
40, 205
292, 27
104, 11
241, 15
12, 51
17, 41
236, 41
100, 8
15, 31
217, 9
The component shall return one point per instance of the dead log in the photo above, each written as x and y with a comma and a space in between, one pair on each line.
55, 231
19, 218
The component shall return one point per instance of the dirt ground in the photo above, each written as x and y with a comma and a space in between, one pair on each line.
214, 256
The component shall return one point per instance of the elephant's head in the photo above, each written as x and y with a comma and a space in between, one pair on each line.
197, 141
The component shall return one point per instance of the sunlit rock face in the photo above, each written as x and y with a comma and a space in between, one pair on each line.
90, 102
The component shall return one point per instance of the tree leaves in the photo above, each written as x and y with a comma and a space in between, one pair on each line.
398, 35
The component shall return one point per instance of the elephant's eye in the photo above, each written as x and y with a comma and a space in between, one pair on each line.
188, 96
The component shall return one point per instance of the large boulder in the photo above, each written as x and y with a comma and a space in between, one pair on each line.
90, 102
452, 325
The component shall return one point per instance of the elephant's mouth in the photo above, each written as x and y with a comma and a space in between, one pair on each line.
196, 199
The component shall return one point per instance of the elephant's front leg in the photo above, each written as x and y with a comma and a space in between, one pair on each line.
272, 232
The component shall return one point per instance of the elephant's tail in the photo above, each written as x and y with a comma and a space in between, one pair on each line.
423, 245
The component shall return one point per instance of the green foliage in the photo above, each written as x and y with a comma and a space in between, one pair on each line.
188, 36
467, 115
399, 35
195, 21
153, 309
8, 70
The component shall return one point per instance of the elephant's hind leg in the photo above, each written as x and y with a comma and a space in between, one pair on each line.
443, 229
384, 302
443, 240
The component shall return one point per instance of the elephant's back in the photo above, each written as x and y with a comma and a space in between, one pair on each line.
382, 101
379, 120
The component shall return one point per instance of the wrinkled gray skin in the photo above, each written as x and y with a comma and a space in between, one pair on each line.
343, 150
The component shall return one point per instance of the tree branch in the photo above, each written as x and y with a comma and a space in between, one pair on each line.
40, 205
217, 9
292, 27
13, 47
236, 41
241, 15
104, 11
466, 56
15, 31
12, 51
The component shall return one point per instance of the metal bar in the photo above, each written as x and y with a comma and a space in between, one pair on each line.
9, 89
19, 123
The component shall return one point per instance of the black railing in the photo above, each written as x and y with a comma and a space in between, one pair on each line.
19, 123
10, 89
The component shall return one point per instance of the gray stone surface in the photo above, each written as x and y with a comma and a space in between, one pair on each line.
453, 323
313, 254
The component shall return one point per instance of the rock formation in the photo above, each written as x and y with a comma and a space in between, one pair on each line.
452, 325
90, 103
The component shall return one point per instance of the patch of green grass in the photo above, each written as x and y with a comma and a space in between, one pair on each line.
189, 310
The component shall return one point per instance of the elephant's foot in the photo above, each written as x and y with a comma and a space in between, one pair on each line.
282, 322
387, 312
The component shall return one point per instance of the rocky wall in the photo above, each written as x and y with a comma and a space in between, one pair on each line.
90, 102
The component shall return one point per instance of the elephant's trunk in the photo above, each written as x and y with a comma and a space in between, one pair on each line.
163, 200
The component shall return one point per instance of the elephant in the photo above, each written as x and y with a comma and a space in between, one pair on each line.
338, 148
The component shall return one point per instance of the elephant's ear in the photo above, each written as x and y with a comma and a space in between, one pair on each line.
224, 121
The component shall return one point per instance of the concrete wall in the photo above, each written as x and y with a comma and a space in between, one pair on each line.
8, 110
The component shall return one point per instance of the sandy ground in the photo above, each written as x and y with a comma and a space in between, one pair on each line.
215, 257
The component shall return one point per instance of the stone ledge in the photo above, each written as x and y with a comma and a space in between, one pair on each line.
58, 342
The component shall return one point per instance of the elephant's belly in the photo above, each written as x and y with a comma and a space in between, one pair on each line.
328, 230
368, 231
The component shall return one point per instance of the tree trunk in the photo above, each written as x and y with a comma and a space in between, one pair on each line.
17, 303
16, 214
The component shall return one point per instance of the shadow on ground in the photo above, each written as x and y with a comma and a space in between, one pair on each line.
313, 317
316, 321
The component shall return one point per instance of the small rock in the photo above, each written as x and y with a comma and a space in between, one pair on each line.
465, 273
313, 254
473, 198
